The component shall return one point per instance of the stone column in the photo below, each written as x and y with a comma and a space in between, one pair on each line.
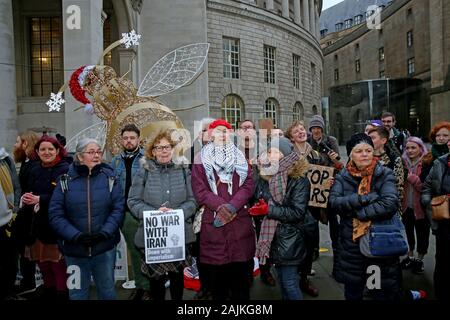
306, 14
285, 8
81, 47
312, 18
317, 24
297, 12
269, 5
8, 94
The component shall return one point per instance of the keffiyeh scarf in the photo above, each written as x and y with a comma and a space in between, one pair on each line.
224, 160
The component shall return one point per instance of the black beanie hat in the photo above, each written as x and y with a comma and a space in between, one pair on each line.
356, 139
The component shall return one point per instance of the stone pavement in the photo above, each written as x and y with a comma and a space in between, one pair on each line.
329, 289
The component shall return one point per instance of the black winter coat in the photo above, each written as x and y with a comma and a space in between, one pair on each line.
380, 204
42, 181
288, 246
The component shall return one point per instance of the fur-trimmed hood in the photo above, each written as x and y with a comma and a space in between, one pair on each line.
300, 168
152, 165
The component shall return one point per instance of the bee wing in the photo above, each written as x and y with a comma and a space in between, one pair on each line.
96, 131
174, 70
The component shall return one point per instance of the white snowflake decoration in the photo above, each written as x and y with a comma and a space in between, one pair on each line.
55, 102
130, 39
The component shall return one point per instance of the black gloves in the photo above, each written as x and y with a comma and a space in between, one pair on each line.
367, 199
89, 240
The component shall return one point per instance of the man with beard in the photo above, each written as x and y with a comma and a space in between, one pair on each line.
125, 165
24, 153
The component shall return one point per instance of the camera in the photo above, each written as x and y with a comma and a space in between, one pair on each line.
325, 149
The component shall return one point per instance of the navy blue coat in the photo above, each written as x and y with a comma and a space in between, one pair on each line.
42, 181
87, 206
380, 204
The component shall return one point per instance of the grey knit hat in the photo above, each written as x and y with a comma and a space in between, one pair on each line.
281, 143
316, 121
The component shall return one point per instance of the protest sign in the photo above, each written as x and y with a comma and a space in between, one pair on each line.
121, 267
319, 177
164, 236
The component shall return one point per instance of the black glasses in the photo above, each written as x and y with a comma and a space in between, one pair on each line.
92, 153
161, 148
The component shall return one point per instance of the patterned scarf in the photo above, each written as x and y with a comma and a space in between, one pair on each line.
277, 188
360, 228
224, 160
130, 154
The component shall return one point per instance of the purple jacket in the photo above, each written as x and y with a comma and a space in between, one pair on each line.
235, 241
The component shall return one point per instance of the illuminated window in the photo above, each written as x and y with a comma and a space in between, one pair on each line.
46, 55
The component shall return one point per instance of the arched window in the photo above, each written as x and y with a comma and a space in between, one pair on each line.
232, 109
298, 111
314, 109
271, 110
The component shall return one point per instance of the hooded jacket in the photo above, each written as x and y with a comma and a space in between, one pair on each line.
89, 205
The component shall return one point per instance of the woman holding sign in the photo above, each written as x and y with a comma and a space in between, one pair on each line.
364, 192
223, 183
161, 185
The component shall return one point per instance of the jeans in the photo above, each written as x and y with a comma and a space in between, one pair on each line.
289, 282
101, 267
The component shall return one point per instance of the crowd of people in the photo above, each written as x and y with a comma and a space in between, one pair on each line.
244, 194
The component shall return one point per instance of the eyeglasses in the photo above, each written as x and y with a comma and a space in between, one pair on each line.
92, 153
161, 148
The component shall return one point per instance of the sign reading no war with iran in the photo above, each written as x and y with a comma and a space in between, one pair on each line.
164, 236
319, 177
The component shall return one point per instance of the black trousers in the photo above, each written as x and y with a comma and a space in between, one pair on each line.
422, 228
158, 289
442, 266
8, 264
229, 281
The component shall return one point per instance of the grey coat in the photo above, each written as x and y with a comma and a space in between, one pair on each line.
163, 183
432, 186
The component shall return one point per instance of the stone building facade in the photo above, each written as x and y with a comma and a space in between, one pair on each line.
411, 44
279, 61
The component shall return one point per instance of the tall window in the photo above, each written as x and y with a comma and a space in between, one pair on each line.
107, 60
298, 112
411, 66
230, 58
381, 54
313, 77
348, 23
358, 19
269, 64
323, 33
358, 66
46, 55
409, 39
270, 110
336, 74
232, 109
296, 71
382, 74
338, 26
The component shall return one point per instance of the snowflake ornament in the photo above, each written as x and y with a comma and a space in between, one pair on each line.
55, 102
130, 39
